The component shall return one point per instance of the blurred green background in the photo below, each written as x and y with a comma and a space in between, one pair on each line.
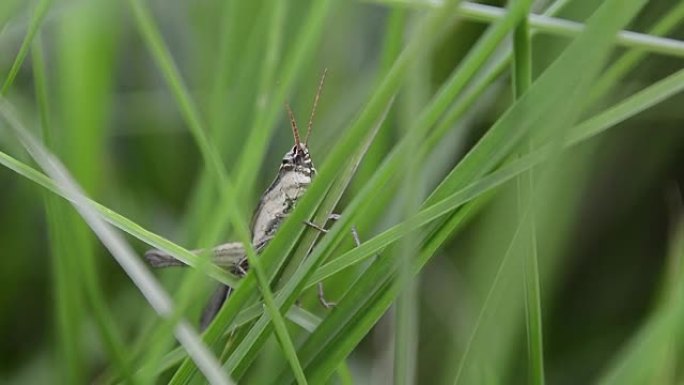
606, 212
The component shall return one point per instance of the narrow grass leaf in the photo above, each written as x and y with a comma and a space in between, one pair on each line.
645, 353
34, 26
555, 26
591, 47
522, 79
122, 252
110, 335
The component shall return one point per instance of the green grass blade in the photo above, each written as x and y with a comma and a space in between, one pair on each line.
123, 253
559, 27
171, 74
641, 358
210, 155
345, 147
630, 107
414, 96
34, 26
125, 224
293, 63
69, 313
522, 79
279, 324
245, 352
647, 98
452, 87
630, 59
597, 35
104, 320
262, 105
287, 234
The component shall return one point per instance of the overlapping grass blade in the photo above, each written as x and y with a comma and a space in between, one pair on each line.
125, 224
270, 99
560, 27
406, 315
54, 209
214, 163
240, 297
247, 349
440, 103
348, 145
454, 85
267, 64
630, 107
592, 47
630, 59
122, 252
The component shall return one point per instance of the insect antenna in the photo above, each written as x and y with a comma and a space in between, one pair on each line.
315, 105
293, 123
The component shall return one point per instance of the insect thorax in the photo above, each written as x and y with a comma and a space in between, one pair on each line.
294, 177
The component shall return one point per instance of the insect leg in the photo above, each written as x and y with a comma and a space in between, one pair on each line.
217, 299
321, 297
357, 241
355, 234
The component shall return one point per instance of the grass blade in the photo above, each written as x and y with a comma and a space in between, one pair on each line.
34, 26
593, 45
54, 211
522, 79
560, 27
123, 253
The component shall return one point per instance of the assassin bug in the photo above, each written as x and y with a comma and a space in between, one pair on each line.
294, 177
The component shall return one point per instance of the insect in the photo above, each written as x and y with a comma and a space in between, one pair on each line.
294, 177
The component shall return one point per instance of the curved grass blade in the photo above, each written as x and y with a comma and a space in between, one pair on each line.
340, 152
630, 107
214, 162
122, 252
125, 224
592, 46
